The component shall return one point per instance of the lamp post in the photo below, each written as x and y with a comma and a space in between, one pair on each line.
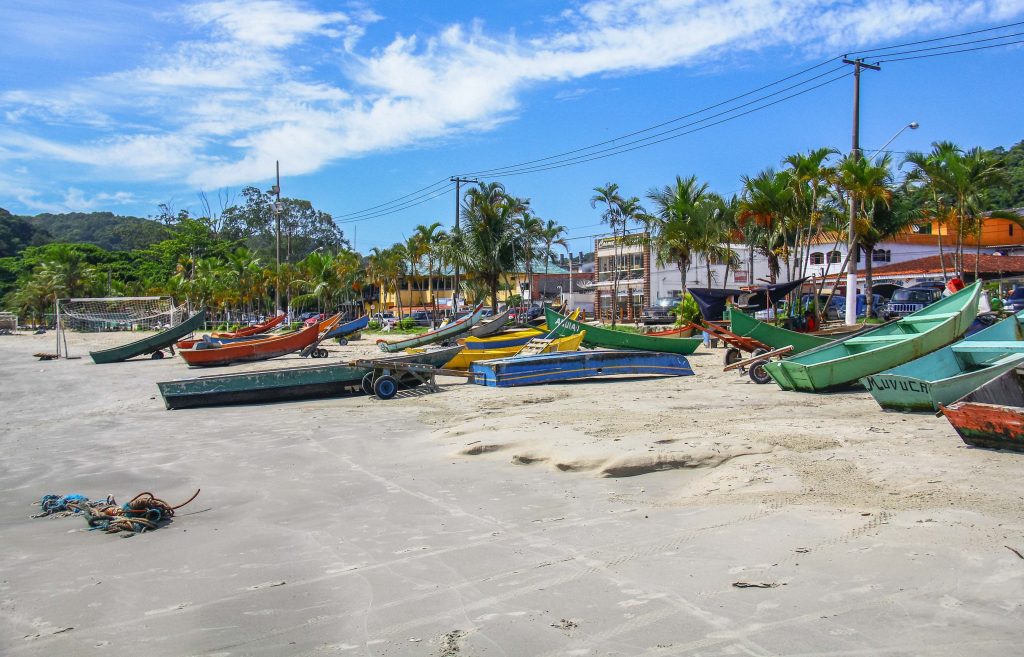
851, 271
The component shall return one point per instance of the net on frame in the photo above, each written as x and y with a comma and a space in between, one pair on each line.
120, 313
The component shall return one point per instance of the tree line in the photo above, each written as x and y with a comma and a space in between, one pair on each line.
223, 257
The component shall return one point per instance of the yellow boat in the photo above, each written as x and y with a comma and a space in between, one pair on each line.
508, 339
466, 357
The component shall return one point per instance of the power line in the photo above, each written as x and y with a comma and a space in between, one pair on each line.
951, 52
588, 153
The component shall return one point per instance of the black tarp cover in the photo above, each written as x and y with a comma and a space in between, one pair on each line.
711, 301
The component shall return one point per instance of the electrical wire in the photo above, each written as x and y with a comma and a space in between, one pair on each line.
588, 153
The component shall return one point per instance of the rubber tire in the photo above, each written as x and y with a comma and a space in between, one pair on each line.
385, 387
758, 351
342, 341
367, 383
157, 355
321, 353
758, 374
732, 355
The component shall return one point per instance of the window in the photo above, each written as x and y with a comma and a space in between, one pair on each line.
835, 257
881, 255
923, 229
817, 258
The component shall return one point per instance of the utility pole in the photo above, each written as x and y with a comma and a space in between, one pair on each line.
276, 191
851, 270
458, 202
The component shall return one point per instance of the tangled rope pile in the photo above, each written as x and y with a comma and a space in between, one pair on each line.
144, 512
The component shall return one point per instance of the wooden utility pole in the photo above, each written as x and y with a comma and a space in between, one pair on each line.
458, 204
276, 191
851, 272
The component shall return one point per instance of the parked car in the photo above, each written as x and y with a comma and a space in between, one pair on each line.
908, 300
1015, 302
386, 319
421, 317
878, 306
657, 315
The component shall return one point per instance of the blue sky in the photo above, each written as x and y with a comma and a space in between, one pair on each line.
121, 106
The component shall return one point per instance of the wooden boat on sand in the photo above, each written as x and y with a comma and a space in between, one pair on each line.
601, 337
251, 330
845, 361
491, 326
566, 366
283, 384
444, 333
993, 415
775, 337
466, 357
205, 354
948, 374
512, 338
152, 344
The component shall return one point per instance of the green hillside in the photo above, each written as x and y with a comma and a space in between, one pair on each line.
104, 229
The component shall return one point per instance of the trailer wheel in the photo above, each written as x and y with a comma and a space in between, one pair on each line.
757, 373
342, 341
367, 383
321, 353
733, 355
157, 355
385, 387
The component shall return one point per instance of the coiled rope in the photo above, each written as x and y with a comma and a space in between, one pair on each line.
144, 512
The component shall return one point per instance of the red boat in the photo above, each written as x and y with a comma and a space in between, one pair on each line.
992, 415
207, 355
251, 330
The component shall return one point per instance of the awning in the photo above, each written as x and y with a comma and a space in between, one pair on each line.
711, 301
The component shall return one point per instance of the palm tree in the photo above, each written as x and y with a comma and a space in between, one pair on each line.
412, 250
430, 237
969, 177
869, 182
485, 245
387, 266
550, 235
677, 235
767, 200
809, 179
530, 228
319, 281
930, 175
612, 215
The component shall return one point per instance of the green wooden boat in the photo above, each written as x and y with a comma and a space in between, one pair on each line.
448, 332
775, 337
152, 344
596, 336
948, 374
284, 384
845, 361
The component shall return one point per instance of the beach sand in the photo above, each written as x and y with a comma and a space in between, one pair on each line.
603, 518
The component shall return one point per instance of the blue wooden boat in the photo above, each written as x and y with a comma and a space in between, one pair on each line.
348, 328
566, 366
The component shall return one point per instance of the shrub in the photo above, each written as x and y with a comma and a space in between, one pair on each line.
687, 311
407, 324
373, 326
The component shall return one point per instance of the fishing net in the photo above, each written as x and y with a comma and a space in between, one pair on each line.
120, 313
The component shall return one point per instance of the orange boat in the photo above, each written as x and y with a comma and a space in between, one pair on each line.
208, 355
672, 332
251, 330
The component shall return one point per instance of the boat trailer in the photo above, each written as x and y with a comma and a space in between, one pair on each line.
386, 376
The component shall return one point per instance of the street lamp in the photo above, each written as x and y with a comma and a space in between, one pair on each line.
851, 269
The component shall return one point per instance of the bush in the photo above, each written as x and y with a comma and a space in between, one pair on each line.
373, 326
687, 311
407, 324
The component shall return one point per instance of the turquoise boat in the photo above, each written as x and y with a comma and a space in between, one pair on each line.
948, 374
152, 344
452, 330
844, 362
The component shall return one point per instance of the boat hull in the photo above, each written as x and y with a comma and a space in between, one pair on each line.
551, 368
597, 336
465, 358
746, 326
843, 362
491, 326
445, 333
251, 330
987, 425
284, 384
151, 344
251, 350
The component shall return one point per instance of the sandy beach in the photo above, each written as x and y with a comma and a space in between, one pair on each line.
702, 515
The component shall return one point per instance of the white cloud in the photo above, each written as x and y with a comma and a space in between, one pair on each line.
275, 79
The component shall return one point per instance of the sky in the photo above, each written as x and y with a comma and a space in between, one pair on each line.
122, 106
